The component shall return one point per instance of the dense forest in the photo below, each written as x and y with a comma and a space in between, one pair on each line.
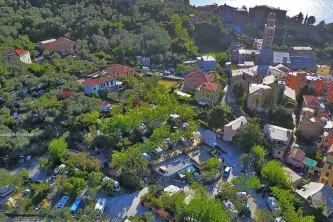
105, 33
106, 30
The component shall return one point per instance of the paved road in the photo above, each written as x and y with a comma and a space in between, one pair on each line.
126, 205
34, 172
129, 204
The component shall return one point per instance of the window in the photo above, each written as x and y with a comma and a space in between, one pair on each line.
329, 166
94, 88
327, 174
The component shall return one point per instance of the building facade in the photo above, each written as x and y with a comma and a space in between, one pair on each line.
120, 71
326, 175
208, 93
61, 45
255, 99
323, 70
98, 84
259, 13
233, 128
280, 139
19, 55
227, 13
269, 32
302, 57
206, 63
296, 81
194, 79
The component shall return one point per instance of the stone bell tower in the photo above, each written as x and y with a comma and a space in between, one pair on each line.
269, 32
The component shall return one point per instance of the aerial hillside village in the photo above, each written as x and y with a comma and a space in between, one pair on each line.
134, 112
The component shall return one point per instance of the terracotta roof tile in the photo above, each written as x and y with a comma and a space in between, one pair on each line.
119, 68
101, 80
311, 100
297, 154
17, 52
201, 76
210, 86
104, 103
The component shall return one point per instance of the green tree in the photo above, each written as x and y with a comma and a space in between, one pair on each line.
108, 185
286, 198
250, 136
58, 149
246, 182
306, 90
274, 175
95, 179
226, 190
43, 163
212, 166
24, 174
219, 116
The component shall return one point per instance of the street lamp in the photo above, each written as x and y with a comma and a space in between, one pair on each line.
285, 34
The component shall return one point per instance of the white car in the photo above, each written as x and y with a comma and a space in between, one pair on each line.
272, 203
241, 195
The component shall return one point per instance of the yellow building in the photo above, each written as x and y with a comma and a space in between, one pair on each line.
208, 93
323, 69
326, 175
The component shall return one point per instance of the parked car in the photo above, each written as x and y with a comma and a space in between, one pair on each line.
226, 172
28, 159
22, 159
272, 203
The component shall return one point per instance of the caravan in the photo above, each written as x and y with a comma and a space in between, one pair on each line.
62, 202
76, 205
100, 206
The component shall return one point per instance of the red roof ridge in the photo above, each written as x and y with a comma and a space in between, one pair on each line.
101, 80
210, 86
17, 52
119, 68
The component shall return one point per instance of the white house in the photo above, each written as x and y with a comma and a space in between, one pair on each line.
209, 137
20, 55
231, 129
104, 82
256, 96
206, 62
279, 137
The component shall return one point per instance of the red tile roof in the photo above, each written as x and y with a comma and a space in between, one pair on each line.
119, 68
104, 103
311, 100
297, 154
201, 76
101, 80
210, 86
17, 52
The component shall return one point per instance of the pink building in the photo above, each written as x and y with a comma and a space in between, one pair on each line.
233, 128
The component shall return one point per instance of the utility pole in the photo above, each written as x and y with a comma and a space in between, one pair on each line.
285, 34
124, 58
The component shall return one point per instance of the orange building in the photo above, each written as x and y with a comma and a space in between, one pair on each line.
296, 81
326, 175
325, 141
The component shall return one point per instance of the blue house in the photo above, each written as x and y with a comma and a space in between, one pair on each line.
95, 85
206, 63
302, 57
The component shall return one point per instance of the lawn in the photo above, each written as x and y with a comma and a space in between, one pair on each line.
167, 83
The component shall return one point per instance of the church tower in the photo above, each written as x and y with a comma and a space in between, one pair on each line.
269, 33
